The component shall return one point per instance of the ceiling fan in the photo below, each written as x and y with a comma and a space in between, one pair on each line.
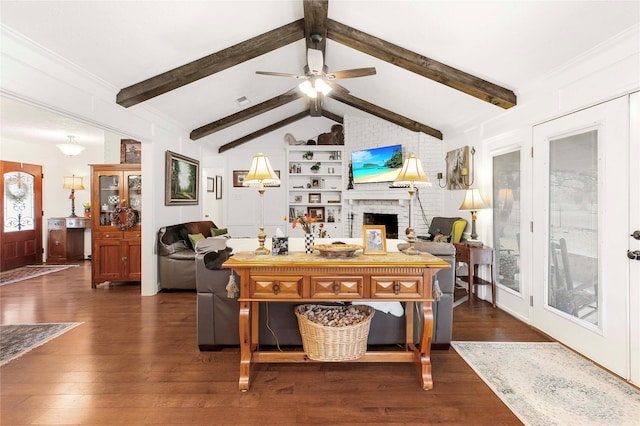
316, 78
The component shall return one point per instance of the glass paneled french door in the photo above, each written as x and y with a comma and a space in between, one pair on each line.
580, 232
511, 171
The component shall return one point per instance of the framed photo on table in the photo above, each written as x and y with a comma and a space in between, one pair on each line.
374, 239
182, 180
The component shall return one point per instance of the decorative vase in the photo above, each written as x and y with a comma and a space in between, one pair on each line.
309, 240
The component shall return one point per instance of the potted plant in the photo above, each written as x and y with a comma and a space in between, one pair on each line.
308, 155
315, 167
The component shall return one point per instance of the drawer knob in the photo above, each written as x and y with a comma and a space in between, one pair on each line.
336, 287
276, 288
396, 288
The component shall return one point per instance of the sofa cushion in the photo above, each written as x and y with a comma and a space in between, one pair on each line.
216, 232
206, 245
194, 238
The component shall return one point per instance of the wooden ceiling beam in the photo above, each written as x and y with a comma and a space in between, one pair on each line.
211, 64
332, 116
245, 114
315, 22
263, 131
385, 114
421, 65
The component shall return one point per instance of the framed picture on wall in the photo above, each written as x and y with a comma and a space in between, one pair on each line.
130, 151
457, 167
211, 185
182, 177
218, 187
238, 177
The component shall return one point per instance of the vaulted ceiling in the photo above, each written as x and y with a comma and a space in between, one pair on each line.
441, 66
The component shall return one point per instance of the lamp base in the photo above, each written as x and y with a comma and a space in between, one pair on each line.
410, 251
262, 250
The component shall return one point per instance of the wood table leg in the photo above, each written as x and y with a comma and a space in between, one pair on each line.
245, 346
426, 380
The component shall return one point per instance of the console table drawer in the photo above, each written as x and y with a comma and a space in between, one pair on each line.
337, 287
391, 287
270, 287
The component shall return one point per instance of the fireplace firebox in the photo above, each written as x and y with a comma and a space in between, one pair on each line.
390, 222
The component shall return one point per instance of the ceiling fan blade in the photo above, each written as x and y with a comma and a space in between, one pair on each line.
352, 73
315, 62
281, 74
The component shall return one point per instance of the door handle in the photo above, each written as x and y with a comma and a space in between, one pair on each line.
636, 234
633, 255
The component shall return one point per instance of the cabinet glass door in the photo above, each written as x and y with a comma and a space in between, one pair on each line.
109, 196
134, 192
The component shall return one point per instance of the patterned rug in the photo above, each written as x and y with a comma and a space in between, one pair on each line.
30, 271
18, 339
547, 384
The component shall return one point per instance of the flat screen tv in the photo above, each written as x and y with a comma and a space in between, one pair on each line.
376, 164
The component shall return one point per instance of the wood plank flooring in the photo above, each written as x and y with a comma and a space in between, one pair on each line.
135, 361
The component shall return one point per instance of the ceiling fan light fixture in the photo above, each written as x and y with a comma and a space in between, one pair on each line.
307, 89
322, 86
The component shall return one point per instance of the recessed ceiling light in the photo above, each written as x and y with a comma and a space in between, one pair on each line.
242, 101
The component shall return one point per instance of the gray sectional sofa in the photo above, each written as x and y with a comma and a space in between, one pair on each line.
218, 311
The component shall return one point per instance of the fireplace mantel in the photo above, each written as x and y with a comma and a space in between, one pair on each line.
395, 194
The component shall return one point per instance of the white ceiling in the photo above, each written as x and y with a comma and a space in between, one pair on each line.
509, 43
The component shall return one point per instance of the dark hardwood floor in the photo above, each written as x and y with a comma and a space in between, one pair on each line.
135, 360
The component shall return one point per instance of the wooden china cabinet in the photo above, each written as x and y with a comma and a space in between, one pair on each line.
116, 201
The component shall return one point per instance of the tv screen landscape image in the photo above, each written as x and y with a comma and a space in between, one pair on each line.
376, 164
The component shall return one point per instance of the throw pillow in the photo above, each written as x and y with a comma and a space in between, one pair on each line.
194, 238
216, 232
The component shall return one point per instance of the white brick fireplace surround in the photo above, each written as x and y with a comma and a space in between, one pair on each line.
361, 133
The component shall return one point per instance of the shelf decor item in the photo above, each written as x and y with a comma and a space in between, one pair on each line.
308, 225
308, 155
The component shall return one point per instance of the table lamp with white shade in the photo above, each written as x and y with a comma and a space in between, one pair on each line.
261, 174
473, 201
412, 174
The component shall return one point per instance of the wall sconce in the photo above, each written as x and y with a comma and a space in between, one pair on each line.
464, 172
412, 174
261, 174
473, 201
73, 182
70, 148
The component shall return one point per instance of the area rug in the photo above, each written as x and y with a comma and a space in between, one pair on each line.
18, 339
29, 271
547, 384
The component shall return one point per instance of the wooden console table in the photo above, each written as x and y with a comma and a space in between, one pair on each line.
301, 277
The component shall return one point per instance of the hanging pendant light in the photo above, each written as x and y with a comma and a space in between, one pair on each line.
70, 148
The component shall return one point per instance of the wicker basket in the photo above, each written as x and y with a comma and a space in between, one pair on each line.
324, 343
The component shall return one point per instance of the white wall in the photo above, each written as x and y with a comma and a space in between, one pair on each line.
606, 71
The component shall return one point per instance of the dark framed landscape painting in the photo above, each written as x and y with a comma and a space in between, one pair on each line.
182, 178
